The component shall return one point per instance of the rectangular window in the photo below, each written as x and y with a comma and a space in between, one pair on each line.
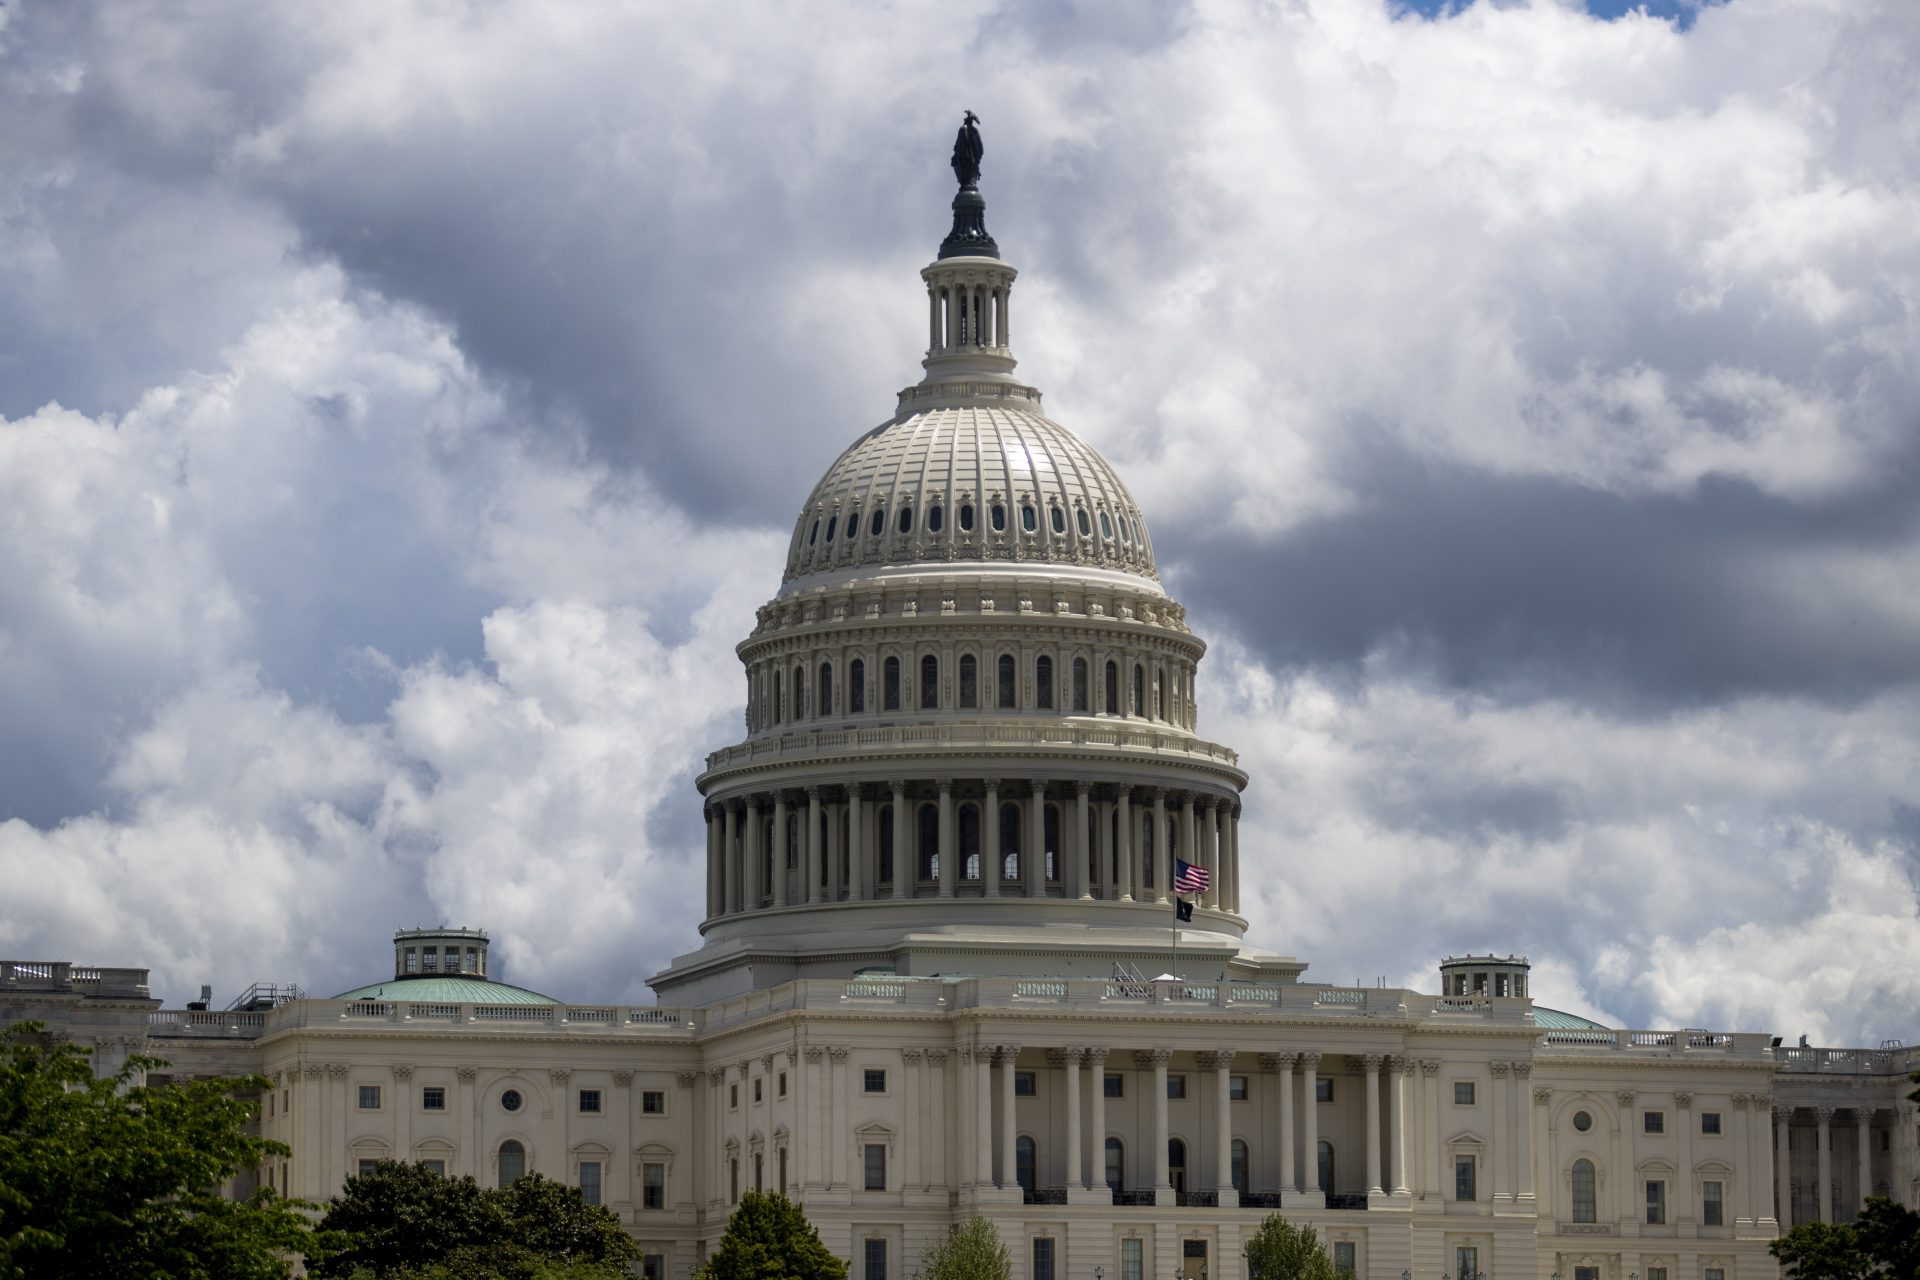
1343, 1260
1114, 1085
1132, 1259
1463, 1093
366, 1167
653, 1102
1656, 1204
874, 1081
733, 1097
1593, 1273
369, 1097
590, 1181
653, 1186
876, 1166
758, 1083
653, 1266
433, 1098
1024, 1085
1656, 1273
590, 1102
1466, 1262
435, 1166
1043, 1258
1653, 1122
781, 1088
1712, 1214
876, 1257
1323, 1090
1176, 1086
1237, 1088
270, 1098
1464, 1186
1716, 1273
1709, 1122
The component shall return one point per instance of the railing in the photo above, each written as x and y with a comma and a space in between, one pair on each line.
1852, 1062
1661, 1043
1137, 1196
1345, 1201
175, 1023
513, 1013
869, 990
565, 1019
972, 735
1200, 1199
1044, 1195
1260, 1200
605, 1017
1338, 995
1040, 990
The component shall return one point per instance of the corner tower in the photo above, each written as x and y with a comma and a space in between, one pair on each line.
972, 718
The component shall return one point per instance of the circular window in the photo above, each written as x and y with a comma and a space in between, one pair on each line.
510, 1100
1582, 1121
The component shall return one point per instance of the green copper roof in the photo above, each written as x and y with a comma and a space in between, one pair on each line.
446, 989
1555, 1020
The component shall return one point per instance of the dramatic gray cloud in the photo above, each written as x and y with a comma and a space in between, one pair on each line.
403, 406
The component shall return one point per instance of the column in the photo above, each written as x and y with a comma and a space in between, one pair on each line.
836, 850
1106, 882
716, 1135
1129, 873
1310, 1136
1163, 865
1526, 1099
1783, 1166
1079, 883
782, 849
730, 859
1005, 326
1397, 1127
716, 904
903, 867
1221, 1060
983, 1115
1440, 1188
1209, 850
1288, 1180
916, 1151
990, 840
1097, 1120
1189, 839
1070, 1058
1230, 854
949, 842
1371, 1062
856, 842
933, 319
1036, 866
751, 860
1009, 1171
1162, 1174
937, 1077
1863, 1128
837, 1135
816, 852
1683, 1205
1824, 1117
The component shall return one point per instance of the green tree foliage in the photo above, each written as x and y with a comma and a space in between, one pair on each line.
106, 1178
768, 1238
971, 1250
1883, 1243
1281, 1251
404, 1222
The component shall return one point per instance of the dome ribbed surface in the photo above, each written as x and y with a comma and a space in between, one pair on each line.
446, 989
944, 469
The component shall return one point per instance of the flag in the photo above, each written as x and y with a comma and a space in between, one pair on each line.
1188, 878
1182, 909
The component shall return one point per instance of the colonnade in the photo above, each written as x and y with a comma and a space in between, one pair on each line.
1824, 1204
865, 841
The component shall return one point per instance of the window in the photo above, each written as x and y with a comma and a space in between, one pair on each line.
1582, 1121
1139, 690
814, 536
966, 517
1325, 1166
1343, 1261
1009, 841
1463, 1093
1323, 1090
929, 816
1585, 1204
1004, 683
1026, 1158
431, 1166
876, 1259
653, 1266
1116, 1166
929, 683
823, 691
1466, 1261
759, 1089
876, 1157
780, 1087
653, 1102
1106, 526
365, 1167
1058, 519
998, 514
799, 692
1653, 1122
733, 1097
1464, 1185
733, 1178
1177, 1164
1712, 1210
759, 1171
969, 681
1656, 1202
1716, 1273
1029, 519
1238, 1165
1593, 1273
653, 1186
905, 522
1709, 1122
856, 686
590, 1102
969, 841
1236, 1088
1043, 1245
783, 1171
1176, 1086
513, 1162
1114, 1085
936, 516
590, 1181
1085, 525
874, 1080
510, 1100
1025, 1085
1656, 1273
1132, 1259
1043, 682
890, 685
1079, 684
433, 1098
369, 1097
1113, 688
833, 522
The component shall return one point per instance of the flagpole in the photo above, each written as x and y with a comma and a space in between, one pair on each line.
1175, 970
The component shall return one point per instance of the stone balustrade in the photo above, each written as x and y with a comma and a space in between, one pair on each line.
1584, 1041
1899, 1060
58, 975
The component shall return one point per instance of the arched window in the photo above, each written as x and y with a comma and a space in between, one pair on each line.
1006, 682
1113, 688
1326, 1166
1177, 1165
966, 517
513, 1162
1240, 1165
1126, 531
856, 686
1116, 1165
936, 516
823, 690
890, 685
1079, 515
1139, 690
799, 693
929, 683
833, 522
1029, 518
1009, 842
929, 823
1584, 1201
815, 535
779, 698
905, 523
1058, 518
1079, 684
997, 513
1106, 527
969, 681
970, 841
878, 523
883, 823
1043, 682
1025, 1158
1050, 823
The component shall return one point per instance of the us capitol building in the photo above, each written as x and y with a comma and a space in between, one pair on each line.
940, 869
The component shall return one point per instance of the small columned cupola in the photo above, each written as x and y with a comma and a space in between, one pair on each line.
1488, 975
419, 953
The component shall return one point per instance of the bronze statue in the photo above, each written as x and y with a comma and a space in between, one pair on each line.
967, 151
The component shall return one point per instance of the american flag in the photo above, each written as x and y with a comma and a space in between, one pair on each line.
1188, 878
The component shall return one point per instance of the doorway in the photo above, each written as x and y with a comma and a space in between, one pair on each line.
1193, 1260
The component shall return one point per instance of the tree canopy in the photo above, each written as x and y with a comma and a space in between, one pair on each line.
104, 1178
1281, 1251
768, 1238
1883, 1243
971, 1250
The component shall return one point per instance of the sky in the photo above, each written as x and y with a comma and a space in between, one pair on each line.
403, 406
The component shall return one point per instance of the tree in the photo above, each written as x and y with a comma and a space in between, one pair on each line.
405, 1222
108, 1178
768, 1238
1281, 1251
1883, 1243
971, 1250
